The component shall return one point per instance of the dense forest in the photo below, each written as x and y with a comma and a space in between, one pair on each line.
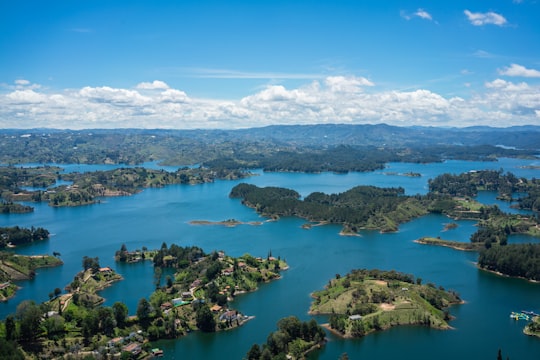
19, 236
518, 260
293, 339
362, 207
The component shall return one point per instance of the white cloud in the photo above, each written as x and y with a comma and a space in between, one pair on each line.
336, 99
114, 96
519, 70
25, 97
174, 96
22, 82
421, 13
154, 85
347, 84
480, 19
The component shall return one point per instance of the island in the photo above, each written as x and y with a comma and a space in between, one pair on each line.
458, 245
227, 223
293, 339
364, 301
13, 236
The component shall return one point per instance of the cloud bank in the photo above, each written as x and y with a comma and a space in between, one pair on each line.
335, 99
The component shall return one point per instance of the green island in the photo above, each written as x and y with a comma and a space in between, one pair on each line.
458, 245
196, 298
15, 236
384, 209
15, 267
293, 339
364, 301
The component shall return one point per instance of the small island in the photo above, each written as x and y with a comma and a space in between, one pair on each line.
364, 301
227, 223
458, 245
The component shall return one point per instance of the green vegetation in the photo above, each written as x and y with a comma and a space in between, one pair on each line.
293, 339
369, 300
458, 245
196, 298
9, 207
470, 183
87, 187
14, 236
275, 148
533, 328
18, 267
363, 207
518, 260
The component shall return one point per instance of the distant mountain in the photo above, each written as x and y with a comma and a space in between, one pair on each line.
381, 135
523, 137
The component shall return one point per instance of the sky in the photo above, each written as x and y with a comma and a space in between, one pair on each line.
201, 64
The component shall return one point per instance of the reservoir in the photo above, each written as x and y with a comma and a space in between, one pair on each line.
482, 325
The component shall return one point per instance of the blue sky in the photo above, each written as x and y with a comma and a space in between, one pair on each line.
236, 64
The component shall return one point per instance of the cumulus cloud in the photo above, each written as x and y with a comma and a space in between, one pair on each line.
154, 85
115, 96
335, 99
480, 19
519, 70
25, 97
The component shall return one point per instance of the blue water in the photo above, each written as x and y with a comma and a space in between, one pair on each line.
154, 216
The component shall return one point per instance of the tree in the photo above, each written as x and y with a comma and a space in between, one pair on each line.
11, 328
106, 320
9, 350
54, 326
120, 313
29, 315
204, 319
254, 353
143, 312
57, 291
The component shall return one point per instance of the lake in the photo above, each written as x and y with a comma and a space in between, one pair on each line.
154, 216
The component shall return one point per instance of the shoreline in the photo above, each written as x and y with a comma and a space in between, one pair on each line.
446, 243
498, 273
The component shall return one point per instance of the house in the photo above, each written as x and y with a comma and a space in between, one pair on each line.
216, 308
228, 271
355, 317
133, 348
105, 270
186, 296
228, 315
166, 306
115, 341
4, 285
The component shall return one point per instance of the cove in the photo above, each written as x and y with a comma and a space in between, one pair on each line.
154, 216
